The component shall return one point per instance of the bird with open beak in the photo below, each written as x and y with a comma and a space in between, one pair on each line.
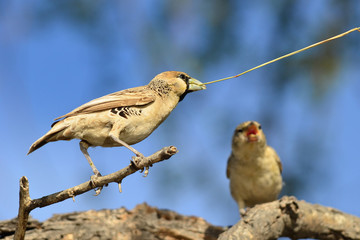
122, 118
254, 168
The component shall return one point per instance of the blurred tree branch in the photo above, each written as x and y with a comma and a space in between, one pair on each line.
289, 217
27, 204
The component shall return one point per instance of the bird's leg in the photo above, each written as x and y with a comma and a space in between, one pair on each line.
114, 133
242, 212
135, 160
118, 140
242, 207
84, 147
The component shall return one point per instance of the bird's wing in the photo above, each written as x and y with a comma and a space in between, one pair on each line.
130, 97
277, 158
278, 163
228, 166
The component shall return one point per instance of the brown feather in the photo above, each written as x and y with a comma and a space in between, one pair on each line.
279, 163
130, 97
48, 137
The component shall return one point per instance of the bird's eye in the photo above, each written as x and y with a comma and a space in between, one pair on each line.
259, 127
182, 76
239, 130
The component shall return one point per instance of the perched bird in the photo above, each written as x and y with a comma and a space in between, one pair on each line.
122, 118
254, 168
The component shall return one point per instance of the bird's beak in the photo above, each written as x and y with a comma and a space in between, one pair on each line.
252, 133
195, 85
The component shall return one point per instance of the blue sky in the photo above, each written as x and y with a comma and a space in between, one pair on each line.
55, 57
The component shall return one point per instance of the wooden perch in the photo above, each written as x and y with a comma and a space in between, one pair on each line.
27, 204
289, 217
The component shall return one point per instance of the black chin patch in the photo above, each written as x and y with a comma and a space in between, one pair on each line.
183, 95
186, 91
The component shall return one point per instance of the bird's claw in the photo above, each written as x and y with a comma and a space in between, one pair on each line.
146, 172
98, 191
136, 160
92, 182
242, 212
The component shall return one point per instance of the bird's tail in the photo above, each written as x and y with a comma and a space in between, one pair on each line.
55, 133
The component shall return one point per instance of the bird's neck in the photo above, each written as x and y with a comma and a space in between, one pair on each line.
160, 87
249, 152
164, 91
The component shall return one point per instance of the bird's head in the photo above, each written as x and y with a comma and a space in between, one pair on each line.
249, 133
178, 83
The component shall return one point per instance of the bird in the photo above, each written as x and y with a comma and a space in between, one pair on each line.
253, 168
122, 118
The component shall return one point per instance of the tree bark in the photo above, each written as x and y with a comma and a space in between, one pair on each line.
287, 217
143, 222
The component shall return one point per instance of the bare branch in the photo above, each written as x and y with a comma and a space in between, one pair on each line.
27, 205
23, 215
289, 217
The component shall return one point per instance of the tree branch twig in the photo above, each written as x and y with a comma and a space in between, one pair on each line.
26, 204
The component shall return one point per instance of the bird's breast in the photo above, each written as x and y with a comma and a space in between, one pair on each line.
256, 181
138, 126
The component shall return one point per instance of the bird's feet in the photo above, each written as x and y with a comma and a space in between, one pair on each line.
137, 160
93, 179
146, 172
242, 212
